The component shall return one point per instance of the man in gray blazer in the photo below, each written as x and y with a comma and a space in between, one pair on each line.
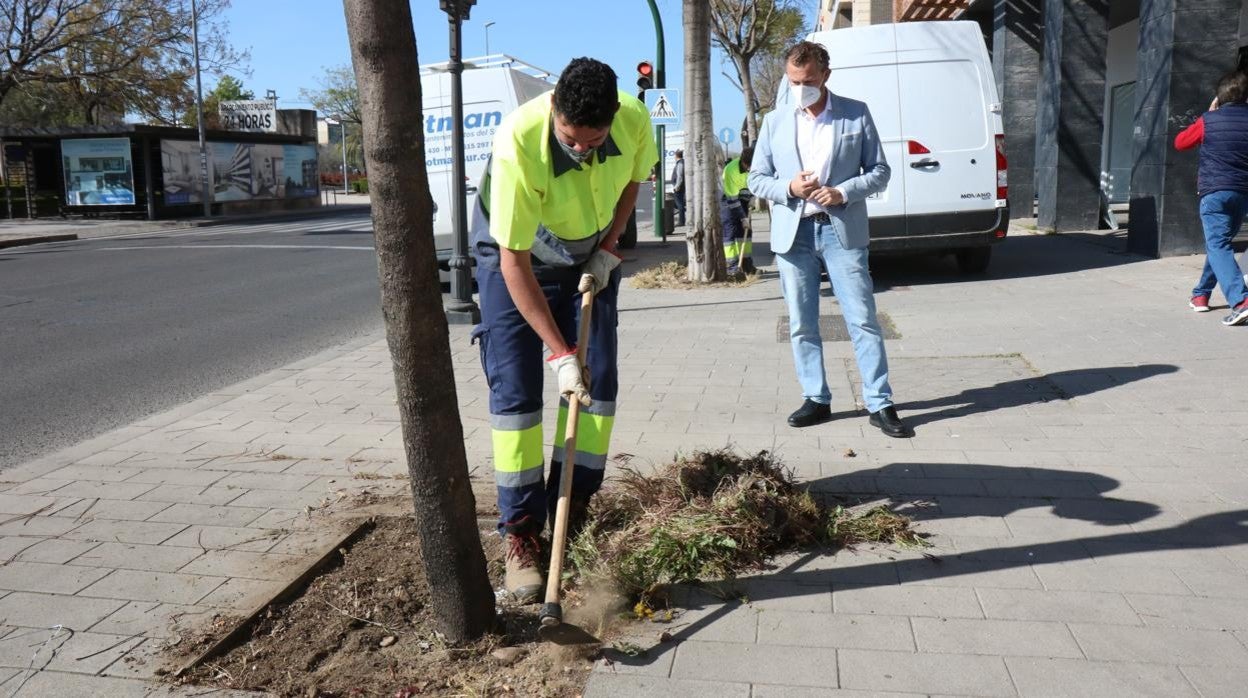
817, 159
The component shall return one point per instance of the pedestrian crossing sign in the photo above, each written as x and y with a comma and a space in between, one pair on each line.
664, 107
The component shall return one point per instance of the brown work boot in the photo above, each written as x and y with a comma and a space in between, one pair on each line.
523, 576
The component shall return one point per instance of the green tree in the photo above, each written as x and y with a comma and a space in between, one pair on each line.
228, 89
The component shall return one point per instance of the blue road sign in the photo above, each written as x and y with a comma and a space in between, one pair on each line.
664, 107
727, 135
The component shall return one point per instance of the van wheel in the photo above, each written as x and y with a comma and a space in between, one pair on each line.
973, 260
628, 240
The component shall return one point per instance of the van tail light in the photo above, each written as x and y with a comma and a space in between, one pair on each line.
1003, 180
917, 148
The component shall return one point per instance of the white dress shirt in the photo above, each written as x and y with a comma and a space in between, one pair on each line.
814, 148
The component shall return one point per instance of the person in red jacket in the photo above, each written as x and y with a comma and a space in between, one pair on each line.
1222, 133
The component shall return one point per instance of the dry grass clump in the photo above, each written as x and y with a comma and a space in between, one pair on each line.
676, 275
711, 516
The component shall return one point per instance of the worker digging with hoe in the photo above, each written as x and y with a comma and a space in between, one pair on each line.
734, 213
557, 194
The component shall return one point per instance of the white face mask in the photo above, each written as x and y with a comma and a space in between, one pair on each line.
804, 95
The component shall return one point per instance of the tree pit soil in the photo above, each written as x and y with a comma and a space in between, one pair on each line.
365, 628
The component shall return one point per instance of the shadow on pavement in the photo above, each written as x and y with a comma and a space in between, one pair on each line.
1061, 385
962, 491
989, 490
1024, 256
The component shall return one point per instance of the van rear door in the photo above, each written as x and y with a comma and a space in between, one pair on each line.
863, 63
950, 163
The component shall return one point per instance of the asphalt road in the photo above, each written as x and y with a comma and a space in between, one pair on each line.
96, 334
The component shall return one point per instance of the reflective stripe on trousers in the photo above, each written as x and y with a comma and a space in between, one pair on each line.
731, 217
515, 369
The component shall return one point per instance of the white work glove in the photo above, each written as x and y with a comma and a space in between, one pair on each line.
598, 271
573, 379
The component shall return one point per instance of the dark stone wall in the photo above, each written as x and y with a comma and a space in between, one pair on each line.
1185, 46
1017, 37
1070, 120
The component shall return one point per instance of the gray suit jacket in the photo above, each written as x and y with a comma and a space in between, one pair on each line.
857, 166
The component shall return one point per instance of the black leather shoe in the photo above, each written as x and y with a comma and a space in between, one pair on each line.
810, 413
887, 421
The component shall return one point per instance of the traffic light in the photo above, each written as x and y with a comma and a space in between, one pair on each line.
645, 78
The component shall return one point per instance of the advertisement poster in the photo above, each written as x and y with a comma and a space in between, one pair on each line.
179, 161
98, 172
300, 172
231, 171
239, 171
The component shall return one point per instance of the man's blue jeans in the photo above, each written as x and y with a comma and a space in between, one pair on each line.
1222, 213
851, 281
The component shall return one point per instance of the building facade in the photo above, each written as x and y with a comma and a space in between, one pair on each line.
836, 14
1093, 94
133, 170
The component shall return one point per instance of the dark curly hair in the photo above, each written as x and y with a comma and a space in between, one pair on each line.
586, 94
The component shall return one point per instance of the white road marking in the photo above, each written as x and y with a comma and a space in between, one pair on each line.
259, 247
351, 224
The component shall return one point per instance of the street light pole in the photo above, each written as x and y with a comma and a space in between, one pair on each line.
205, 192
660, 81
461, 309
487, 37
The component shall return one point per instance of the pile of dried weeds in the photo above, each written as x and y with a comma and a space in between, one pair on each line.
676, 275
713, 515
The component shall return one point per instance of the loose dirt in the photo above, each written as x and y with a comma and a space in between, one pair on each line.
365, 628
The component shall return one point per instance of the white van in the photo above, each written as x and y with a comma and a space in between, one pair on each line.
492, 87
932, 94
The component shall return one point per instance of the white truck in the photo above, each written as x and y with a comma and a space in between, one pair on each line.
492, 87
931, 92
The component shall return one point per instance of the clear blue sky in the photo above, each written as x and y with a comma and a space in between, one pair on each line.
290, 44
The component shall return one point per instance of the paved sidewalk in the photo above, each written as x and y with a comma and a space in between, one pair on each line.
1078, 462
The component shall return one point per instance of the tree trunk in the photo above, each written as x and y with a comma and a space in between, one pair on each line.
383, 50
747, 91
702, 153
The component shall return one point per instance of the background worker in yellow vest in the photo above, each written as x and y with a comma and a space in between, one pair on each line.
734, 211
557, 194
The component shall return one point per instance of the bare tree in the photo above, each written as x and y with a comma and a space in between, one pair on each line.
742, 29
383, 50
110, 57
702, 152
768, 65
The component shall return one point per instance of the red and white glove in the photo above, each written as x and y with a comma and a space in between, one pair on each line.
573, 378
598, 271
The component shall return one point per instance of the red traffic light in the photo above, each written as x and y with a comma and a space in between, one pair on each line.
645, 78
